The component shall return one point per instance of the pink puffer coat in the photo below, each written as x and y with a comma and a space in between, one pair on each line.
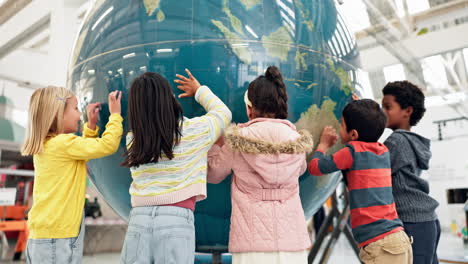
266, 156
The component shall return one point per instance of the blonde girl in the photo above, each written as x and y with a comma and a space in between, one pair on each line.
55, 221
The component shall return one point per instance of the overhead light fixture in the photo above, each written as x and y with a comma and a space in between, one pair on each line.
102, 17
240, 45
251, 31
163, 50
129, 55
286, 8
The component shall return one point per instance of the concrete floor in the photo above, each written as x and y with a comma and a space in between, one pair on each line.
450, 248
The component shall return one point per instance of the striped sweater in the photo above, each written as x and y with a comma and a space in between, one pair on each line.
183, 177
366, 169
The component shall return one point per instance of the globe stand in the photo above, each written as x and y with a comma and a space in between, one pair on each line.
216, 252
217, 258
337, 220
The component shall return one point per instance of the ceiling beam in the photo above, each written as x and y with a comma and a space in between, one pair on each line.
10, 8
29, 21
21, 83
24, 36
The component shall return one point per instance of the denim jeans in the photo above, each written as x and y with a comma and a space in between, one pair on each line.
56, 250
160, 234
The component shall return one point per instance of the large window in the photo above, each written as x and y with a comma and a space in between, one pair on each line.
434, 73
394, 73
465, 56
355, 14
364, 86
414, 6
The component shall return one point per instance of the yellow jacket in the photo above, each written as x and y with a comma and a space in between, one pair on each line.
60, 179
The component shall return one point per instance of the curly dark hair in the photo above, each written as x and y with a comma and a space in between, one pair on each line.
407, 94
366, 117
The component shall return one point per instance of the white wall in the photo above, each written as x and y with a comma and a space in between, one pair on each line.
449, 163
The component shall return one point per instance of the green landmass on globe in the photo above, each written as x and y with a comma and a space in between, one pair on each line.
316, 118
249, 4
277, 44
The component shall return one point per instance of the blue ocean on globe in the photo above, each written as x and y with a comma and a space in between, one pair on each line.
226, 44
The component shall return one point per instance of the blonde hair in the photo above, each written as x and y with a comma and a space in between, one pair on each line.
46, 109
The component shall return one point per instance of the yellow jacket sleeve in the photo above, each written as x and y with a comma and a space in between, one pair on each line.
89, 133
86, 148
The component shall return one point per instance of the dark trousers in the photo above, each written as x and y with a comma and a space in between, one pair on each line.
426, 237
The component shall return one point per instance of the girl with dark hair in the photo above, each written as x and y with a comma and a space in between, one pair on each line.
266, 156
167, 156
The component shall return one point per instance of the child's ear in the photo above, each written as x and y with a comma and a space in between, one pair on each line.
249, 112
354, 134
409, 111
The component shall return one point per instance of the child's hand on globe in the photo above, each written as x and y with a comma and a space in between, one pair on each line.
189, 85
114, 102
328, 138
92, 111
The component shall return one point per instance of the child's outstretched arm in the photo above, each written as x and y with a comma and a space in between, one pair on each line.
89, 146
220, 159
218, 114
323, 164
90, 129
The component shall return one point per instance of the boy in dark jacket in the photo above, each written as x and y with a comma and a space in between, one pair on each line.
410, 153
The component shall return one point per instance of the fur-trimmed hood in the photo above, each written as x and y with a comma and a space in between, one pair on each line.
254, 145
244, 141
269, 144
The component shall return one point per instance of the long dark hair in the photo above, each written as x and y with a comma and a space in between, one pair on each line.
268, 95
155, 119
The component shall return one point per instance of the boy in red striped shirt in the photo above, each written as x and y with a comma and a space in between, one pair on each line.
365, 165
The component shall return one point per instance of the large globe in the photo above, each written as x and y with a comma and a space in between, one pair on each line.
226, 44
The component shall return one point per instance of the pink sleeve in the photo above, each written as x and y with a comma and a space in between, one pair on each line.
219, 163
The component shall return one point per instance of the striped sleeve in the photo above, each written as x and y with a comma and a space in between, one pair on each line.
218, 115
323, 164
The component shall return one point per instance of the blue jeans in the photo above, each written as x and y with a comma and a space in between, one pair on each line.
160, 235
56, 250
426, 237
